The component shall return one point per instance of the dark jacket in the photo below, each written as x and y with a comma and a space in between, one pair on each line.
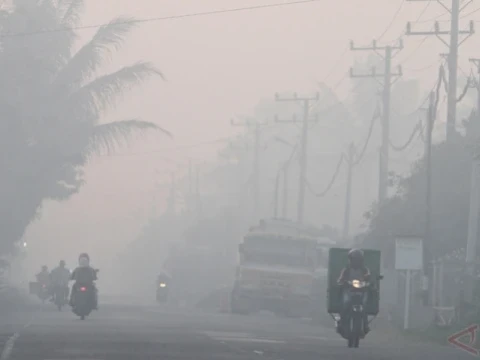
84, 275
346, 272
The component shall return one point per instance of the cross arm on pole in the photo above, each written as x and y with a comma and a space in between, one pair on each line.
297, 98
294, 119
248, 122
374, 74
438, 32
374, 46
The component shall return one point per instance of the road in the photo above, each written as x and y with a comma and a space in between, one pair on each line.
126, 331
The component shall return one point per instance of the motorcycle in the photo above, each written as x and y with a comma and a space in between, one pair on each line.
43, 292
83, 296
162, 292
60, 295
82, 300
352, 327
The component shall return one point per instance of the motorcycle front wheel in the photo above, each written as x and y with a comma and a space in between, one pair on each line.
355, 331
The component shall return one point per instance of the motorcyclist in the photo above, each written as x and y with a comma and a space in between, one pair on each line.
59, 278
355, 270
163, 277
43, 279
43, 276
84, 274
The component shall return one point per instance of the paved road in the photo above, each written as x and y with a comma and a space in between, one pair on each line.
123, 331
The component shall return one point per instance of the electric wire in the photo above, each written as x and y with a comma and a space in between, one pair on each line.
163, 18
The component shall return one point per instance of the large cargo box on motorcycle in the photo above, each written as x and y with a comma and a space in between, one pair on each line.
337, 260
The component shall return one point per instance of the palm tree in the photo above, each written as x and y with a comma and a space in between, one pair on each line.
52, 102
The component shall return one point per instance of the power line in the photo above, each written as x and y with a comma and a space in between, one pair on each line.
375, 116
415, 50
422, 69
470, 13
453, 46
414, 22
337, 63
410, 139
395, 15
155, 19
332, 181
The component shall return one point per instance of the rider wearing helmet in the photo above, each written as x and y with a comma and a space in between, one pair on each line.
43, 276
59, 278
84, 274
355, 270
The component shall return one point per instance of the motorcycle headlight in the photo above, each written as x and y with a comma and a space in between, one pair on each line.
358, 284
162, 285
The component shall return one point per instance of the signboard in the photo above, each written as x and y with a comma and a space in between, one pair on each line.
408, 253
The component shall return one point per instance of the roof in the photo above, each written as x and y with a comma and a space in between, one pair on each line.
289, 230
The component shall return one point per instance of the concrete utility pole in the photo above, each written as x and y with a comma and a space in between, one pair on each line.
256, 161
303, 148
198, 199
471, 251
453, 46
285, 182
277, 189
476, 83
387, 76
428, 194
348, 193
172, 197
283, 170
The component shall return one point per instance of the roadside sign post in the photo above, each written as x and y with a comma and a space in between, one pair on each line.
408, 257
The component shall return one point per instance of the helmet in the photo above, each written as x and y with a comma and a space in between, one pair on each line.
84, 260
84, 255
62, 263
355, 257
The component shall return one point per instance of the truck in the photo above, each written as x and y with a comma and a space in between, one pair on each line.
282, 268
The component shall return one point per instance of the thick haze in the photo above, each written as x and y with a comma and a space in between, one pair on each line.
217, 67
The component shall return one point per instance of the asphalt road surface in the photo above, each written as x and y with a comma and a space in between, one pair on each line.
126, 331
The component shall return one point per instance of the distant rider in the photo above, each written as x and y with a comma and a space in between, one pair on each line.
84, 274
59, 277
163, 277
43, 276
355, 270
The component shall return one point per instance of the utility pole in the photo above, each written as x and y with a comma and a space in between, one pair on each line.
277, 189
171, 199
476, 83
453, 46
387, 76
303, 147
285, 193
286, 169
348, 192
471, 252
428, 193
256, 161
190, 187
198, 199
